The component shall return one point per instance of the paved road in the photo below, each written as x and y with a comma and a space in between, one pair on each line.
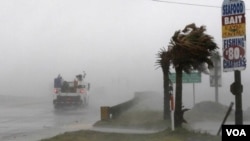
27, 118
32, 119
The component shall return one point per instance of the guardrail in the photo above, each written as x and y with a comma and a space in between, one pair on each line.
115, 111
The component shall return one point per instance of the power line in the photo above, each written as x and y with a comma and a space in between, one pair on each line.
192, 4
182, 3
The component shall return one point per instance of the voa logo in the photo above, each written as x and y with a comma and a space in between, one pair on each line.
236, 132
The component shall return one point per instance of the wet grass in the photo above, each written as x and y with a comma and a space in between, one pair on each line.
167, 135
139, 119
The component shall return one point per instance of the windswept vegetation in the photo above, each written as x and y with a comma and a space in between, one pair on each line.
143, 117
167, 135
189, 50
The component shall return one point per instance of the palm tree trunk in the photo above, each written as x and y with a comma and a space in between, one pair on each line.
178, 98
166, 106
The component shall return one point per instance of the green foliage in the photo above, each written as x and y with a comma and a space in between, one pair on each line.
188, 50
191, 48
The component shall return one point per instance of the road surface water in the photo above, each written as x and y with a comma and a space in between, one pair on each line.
27, 118
33, 119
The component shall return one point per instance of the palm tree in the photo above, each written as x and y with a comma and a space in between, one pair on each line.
164, 62
188, 50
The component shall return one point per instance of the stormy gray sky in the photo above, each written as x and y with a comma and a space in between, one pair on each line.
114, 41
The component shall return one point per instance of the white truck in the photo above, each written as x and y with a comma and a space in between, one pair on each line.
71, 93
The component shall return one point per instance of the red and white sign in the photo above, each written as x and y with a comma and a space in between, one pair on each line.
234, 35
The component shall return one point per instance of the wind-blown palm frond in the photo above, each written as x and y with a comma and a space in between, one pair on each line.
189, 49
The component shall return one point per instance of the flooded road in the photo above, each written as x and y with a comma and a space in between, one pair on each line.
30, 118
33, 119
27, 118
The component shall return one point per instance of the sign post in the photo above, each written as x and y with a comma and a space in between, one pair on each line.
215, 74
172, 105
234, 48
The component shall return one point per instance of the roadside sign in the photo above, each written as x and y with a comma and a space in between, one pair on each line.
233, 35
194, 77
215, 72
